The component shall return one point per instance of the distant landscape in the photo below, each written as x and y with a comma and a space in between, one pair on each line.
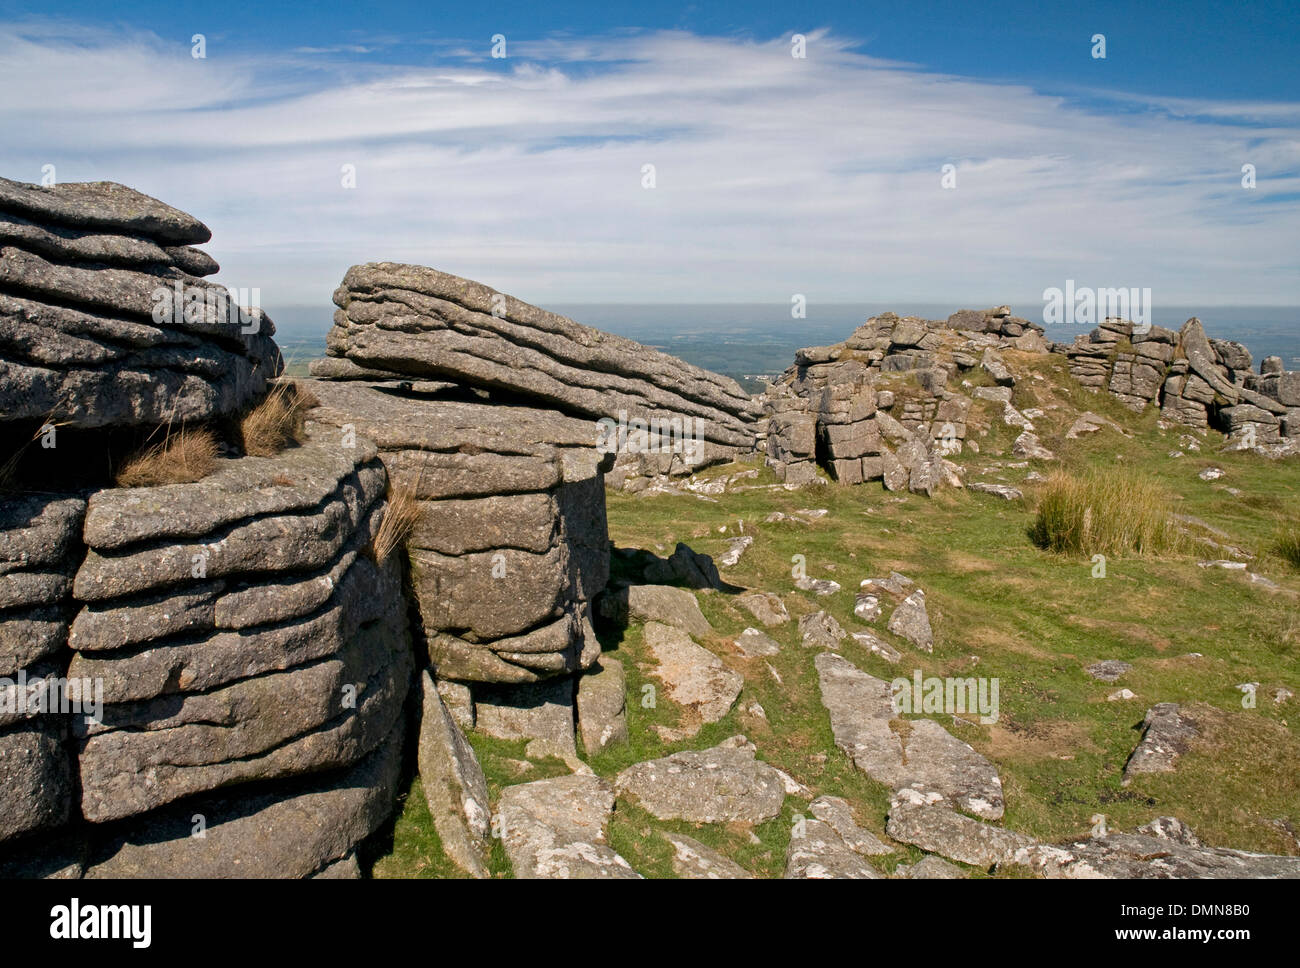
748, 340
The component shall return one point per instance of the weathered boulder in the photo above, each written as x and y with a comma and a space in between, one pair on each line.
511, 545
1165, 735
929, 760
720, 785
555, 829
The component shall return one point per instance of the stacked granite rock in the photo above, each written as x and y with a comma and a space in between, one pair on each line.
1196, 381
419, 323
791, 442
82, 267
242, 634
511, 544
40, 545
232, 662
503, 421
863, 432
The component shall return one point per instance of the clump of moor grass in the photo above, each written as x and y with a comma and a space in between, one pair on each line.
277, 420
401, 515
182, 457
1114, 513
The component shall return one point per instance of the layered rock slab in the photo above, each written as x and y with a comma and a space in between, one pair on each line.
240, 628
422, 323
511, 545
105, 320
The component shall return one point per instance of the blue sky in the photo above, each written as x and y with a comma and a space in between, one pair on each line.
773, 175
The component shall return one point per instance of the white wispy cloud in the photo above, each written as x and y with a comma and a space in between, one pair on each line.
773, 175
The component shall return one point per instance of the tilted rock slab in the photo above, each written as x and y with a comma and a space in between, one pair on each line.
926, 822
555, 829
454, 785
933, 760
817, 852
422, 323
1165, 735
80, 341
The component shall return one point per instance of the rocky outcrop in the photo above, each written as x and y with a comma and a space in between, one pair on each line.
105, 320
1197, 381
878, 405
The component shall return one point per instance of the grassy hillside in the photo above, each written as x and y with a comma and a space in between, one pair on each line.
1001, 607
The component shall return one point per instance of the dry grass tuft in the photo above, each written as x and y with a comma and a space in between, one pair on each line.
182, 458
278, 420
1110, 513
1287, 544
401, 515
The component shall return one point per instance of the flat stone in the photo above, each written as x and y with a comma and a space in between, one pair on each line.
555, 829
1119, 855
924, 821
1109, 670
836, 813
693, 677
693, 861
817, 852
861, 710
724, 784
930, 868
540, 712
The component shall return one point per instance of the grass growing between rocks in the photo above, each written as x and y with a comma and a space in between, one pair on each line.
183, 457
278, 420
